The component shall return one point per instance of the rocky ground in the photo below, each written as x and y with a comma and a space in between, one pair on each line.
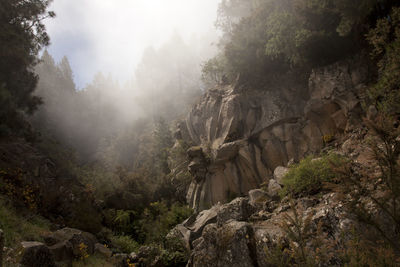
247, 230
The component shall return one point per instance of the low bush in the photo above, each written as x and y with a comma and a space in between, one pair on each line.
17, 227
310, 174
124, 243
158, 219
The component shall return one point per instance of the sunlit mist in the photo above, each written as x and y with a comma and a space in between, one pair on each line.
110, 36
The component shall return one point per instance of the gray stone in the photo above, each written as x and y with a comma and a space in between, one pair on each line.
203, 218
238, 209
227, 151
35, 254
182, 233
102, 250
62, 251
258, 196
273, 188
230, 245
75, 237
279, 173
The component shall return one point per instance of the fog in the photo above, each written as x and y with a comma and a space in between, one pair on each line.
114, 68
110, 36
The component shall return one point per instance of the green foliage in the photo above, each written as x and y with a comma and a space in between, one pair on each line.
269, 37
162, 143
22, 35
85, 217
309, 176
97, 179
174, 257
20, 225
213, 71
158, 219
124, 243
385, 42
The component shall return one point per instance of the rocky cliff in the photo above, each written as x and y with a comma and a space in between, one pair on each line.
260, 229
239, 136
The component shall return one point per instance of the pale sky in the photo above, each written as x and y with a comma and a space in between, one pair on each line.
110, 35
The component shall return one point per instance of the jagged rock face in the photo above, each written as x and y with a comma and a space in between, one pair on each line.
241, 233
244, 135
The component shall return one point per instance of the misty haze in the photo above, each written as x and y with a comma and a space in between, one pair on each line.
199, 133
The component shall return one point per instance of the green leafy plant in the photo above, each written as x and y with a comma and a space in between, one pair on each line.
309, 176
125, 244
385, 42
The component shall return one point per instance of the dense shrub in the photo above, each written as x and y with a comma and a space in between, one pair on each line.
385, 41
124, 243
158, 219
310, 174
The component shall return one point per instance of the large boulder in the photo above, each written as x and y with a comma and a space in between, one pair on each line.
63, 251
238, 209
35, 254
230, 245
279, 173
273, 188
78, 239
258, 197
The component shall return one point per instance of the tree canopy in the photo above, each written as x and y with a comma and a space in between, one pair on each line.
263, 38
22, 35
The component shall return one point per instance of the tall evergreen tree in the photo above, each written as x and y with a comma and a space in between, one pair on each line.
22, 35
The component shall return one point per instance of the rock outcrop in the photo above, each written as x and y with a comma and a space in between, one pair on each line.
60, 248
239, 137
240, 233
36, 254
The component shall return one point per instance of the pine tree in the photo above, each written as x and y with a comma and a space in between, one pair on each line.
22, 35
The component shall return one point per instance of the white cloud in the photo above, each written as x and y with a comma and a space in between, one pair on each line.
110, 35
